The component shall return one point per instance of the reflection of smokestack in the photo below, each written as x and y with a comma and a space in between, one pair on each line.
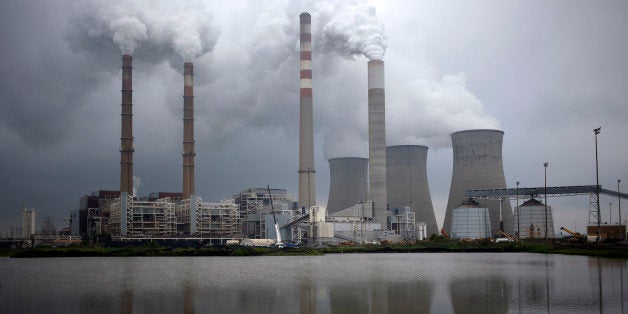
478, 165
307, 182
406, 182
126, 139
188, 130
377, 139
347, 182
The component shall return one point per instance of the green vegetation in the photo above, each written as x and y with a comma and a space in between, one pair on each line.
437, 244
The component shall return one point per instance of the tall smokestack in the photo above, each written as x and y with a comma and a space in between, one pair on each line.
126, 139
307, 182
377, 139
478, 164
188, 130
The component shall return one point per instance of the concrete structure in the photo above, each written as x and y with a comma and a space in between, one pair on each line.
29, 216
254, 205
126, 138
377, 139
307, 182
470, 221
347, 183
188, 130
532, 225
406, 183
477, 164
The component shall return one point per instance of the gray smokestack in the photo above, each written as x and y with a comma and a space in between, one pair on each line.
406, 183
188, 130
347, 182
377, 140
126, 138
478, 164
307, 182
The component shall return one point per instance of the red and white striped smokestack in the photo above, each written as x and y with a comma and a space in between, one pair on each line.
307, 182
126, 138
188, 130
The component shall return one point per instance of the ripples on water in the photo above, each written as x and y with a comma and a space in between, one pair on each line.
341, 283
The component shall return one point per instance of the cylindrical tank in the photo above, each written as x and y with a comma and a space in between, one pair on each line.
347, 182
470, 221
377, 139
477, 164
533, 214
406, 183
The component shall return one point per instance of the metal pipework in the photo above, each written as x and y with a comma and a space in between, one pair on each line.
126, 138
377, 140
188, 130
307, 180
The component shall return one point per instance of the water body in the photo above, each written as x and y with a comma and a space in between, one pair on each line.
341, 283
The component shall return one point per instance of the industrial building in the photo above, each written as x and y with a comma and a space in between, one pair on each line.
477, 164
533, 219
348, 183
29, 216
406, 183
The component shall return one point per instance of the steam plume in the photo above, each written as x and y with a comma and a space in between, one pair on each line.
157, 28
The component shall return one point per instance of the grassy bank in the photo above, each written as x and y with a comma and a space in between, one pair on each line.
451, 246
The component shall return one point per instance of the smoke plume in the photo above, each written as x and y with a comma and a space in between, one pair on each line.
159, 29
427, 110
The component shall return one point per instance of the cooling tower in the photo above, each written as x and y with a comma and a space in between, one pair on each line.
478, 164
347, 183
307, 182
126, 138
377, 140
406, 183
188, 130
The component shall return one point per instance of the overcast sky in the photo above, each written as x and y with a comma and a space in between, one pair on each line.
546, 73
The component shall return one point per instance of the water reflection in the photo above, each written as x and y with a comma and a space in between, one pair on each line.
355, 283
485, 294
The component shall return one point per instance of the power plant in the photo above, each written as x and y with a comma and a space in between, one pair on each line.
406, 179
477, 164
385, 197
377, 139
348, 183
307, 180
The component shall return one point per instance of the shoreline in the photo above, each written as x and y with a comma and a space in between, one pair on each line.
154, 249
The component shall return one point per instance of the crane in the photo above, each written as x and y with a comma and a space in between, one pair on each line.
272, 208
509, 237
576, 236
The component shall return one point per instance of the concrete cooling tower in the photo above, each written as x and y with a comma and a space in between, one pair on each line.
406, 183
348, 183
478, 164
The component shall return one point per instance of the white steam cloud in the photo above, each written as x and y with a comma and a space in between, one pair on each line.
137, 183
350, 28
182, 27
429, 110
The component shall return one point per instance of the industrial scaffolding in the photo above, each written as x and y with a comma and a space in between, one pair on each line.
404, 224
137, 218
219, 220
254, 203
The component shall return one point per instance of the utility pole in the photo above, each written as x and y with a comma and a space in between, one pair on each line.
622, 234
597, 186
545, 166
518, 215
